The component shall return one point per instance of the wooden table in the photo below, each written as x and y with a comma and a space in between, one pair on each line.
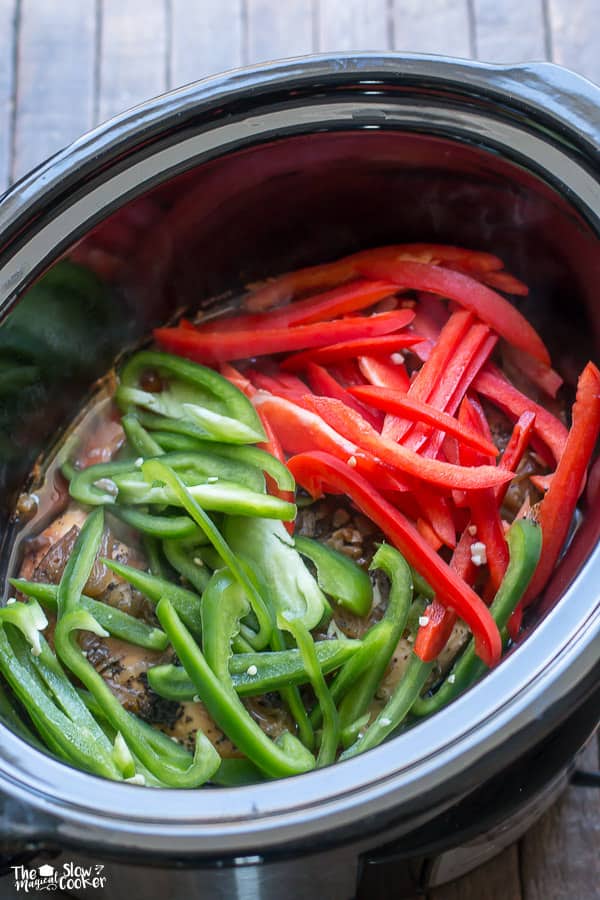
67, 64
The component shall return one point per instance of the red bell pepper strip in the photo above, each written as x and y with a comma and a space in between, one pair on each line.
428, 534
285, 287
515, 449
433, 636
348, 373
492, 385
437, 514
211, 347
389, 343
429, 374
319, 471
475, 355
300, 430
238, 379
353, 427
491, 307
400, 404
542, 482
325, 385
483, 504
557, 508
503, 281
384, 373
542, 376
341, 301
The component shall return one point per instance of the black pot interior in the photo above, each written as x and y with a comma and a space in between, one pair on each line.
259, 211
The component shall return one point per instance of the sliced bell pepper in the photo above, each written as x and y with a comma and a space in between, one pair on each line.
155, 469
382, 372
489, 306
484, 505
332, 353
430, 373
558, 506
357, 700
525, 543
318, 471
399, 404
491, 384
301, 430
274, 670
116, 622
353, 427
290, 587
516, 447
325, 384
343, 300
213, 348
451, 385
286, 755
338, 576
285, 287
181, 390
540, 375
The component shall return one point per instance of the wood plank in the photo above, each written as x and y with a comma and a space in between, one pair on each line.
497, 879
444, 28
574, 26
55, 77
277, 29
8, 11
511, 31
559, 855
133, 54
353, 25
206, 38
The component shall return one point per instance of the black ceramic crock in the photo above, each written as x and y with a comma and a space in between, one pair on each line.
242, 176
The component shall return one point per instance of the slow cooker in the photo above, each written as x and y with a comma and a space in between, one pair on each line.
224, 182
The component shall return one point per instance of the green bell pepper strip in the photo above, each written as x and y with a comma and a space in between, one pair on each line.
118, 623
253, 456
280, 758
291, 697
104, 483
224, 496
330, 734
273, 670
140, 440
269, 548
395, 710
210, 557
196, 467
73, 618
182, 557
185, 602
80, 563
338, 576
170, 527
157, 470
67, 739
524, 539
352, 732
237, 773
219, 583
153, 553
9, 716
192, 392
358, 699
364, 671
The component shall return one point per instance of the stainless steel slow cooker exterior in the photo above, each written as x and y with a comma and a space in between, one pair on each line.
444, 783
